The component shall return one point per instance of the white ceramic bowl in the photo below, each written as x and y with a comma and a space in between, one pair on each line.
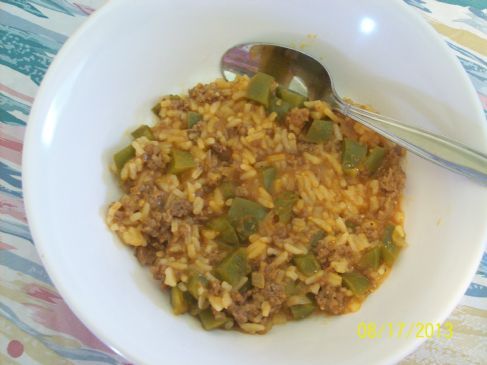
110, 73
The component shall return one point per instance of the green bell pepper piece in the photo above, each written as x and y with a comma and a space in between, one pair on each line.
195, 282
143, 131
245, 216
292, 288
193, 118
259, 88
283, 205
353, 154
180, 162
208, 320
122, 156
226, 232
307, 264
375, 159
156, 108
319, 131
371, 259
317, 237
389, 250
356, 282
178, 301
280, 107
227, 189
233, 267
301, 311
293, 98
269, 175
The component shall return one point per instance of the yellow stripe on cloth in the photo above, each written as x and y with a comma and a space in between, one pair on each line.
33, 348
462, 37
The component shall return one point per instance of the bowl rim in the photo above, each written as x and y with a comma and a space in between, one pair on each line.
37, 118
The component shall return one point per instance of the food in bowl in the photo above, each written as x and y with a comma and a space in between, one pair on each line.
255, 206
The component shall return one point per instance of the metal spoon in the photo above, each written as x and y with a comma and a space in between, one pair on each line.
306, 75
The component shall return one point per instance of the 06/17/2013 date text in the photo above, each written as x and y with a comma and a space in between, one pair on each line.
373, 330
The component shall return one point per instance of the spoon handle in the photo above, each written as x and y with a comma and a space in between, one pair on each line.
439, 150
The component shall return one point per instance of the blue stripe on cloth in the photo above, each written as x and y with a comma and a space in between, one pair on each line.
476, 74
476, 289
482, 270
17, 229
60, 6
418, 4
27, 53
8, 118
466, 53
27, 267
22, 4
12, 193
10, 175
470, 4
7, 105
10, 181
67, 352
477, 12
22, 24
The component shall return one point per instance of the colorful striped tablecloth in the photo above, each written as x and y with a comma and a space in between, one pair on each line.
36, 326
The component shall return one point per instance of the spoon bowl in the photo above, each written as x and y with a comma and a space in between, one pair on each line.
291, 69
306, 75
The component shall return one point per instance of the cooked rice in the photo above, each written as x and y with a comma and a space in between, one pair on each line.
164, 216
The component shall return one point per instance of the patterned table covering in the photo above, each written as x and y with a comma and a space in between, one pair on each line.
36, 326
